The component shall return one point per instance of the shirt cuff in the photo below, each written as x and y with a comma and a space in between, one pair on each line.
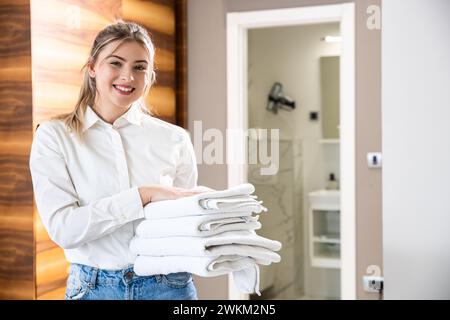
129, 205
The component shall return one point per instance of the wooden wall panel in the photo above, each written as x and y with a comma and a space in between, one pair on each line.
16, 206
181, 62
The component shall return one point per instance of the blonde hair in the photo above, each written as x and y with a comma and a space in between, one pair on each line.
117, 31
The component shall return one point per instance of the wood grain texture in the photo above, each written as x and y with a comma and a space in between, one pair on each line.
52, 271
181, 63
16, 214
156, 16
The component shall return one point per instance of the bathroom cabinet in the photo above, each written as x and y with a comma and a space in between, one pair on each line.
324, 229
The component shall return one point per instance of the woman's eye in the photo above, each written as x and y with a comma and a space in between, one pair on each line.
140, 68
116, 63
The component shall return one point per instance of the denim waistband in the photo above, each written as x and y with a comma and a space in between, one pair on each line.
93, 275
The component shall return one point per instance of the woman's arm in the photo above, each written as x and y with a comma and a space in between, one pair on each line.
69, 224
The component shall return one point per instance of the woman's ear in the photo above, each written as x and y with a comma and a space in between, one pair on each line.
91, 70
152, 77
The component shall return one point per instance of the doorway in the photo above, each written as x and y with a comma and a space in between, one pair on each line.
241, 26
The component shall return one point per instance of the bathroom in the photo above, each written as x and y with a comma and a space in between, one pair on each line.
304, 59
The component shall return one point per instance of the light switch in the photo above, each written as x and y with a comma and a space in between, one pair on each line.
374, 159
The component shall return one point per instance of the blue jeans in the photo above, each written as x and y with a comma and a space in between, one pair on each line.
89, 283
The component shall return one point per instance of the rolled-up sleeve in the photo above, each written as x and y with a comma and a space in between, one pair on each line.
69, 224
186, 174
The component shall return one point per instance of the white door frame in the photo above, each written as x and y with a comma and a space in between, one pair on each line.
238, 24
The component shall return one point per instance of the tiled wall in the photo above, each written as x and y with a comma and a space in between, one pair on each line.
282, 195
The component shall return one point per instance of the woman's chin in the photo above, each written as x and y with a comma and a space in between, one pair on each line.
123, 100
123, 103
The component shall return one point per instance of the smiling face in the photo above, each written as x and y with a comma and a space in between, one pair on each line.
121, 75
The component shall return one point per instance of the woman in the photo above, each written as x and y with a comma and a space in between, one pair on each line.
95, 168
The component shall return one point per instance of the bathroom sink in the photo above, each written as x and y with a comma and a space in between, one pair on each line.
324, 198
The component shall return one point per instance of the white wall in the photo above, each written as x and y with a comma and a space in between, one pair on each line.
416, 148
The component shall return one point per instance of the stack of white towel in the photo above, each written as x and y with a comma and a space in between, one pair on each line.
208, 234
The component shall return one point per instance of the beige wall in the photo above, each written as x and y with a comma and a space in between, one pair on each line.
368, 139
207, 102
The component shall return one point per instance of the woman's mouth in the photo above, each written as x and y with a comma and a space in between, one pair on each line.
123, 90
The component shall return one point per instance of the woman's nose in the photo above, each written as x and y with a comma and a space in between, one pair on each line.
126, 76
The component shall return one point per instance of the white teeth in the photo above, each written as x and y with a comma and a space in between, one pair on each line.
123, 88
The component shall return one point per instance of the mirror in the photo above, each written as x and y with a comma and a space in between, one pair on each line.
329, 82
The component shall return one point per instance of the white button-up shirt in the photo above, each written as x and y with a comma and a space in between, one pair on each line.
87, 193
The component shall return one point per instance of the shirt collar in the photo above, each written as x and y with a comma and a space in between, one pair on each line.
133, 115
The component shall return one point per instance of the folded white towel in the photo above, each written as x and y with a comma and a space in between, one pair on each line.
208, 234
199, 246
227, 203
148, 247
198, 226
244, 269
234, 199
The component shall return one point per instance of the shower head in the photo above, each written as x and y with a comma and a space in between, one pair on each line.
278, 100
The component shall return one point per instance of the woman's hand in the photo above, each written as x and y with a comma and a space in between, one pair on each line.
155, 193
